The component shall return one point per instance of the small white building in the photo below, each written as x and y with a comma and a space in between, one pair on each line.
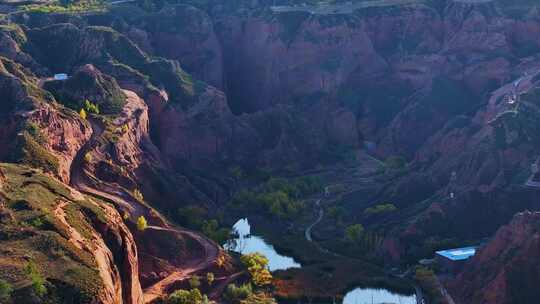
61, 76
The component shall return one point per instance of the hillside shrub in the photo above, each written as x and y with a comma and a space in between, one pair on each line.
141, 223
182, 296
5, 290
257, 265
235, 294
354, 233
38, 281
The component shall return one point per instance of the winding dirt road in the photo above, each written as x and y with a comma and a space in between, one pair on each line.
83, 181
211, 253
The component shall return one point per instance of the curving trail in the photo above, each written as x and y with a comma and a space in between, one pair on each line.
211, 253
308, 230
83, 181
317, 221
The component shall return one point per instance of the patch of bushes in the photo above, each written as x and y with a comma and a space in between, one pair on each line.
38, 281
5, 291
380, 209
89, 90
91, 107
363, 241
197, 218
278, 197
34, 130
212, 230
235, 294
428, 281
257, 266
70, 275
193, 296
353, 233
72, 7
191, 216
29, 152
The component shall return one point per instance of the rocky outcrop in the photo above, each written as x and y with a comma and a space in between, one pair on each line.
46, 133
505, 269
63, 132
117, 248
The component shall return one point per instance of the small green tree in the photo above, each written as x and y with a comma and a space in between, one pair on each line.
138, 195
192, 216
182, 296
212, 230
236, 172
88, 157
91, 107
195, 281
38, 282
353, 233
210, 278
235, 293
141, 223
5, 291
257, 265
82, 114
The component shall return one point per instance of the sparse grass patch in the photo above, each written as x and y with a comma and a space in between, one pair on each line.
57, 266
75, 7
28, 151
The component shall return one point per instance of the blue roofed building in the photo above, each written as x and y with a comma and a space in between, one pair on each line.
61, 76
453, 259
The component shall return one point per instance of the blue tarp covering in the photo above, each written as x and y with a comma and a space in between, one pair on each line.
458, 254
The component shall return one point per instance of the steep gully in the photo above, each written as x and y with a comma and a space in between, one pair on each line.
81, 180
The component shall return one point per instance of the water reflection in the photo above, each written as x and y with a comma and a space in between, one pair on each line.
246, 243
376, 296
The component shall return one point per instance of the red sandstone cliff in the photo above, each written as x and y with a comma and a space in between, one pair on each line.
505, 270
